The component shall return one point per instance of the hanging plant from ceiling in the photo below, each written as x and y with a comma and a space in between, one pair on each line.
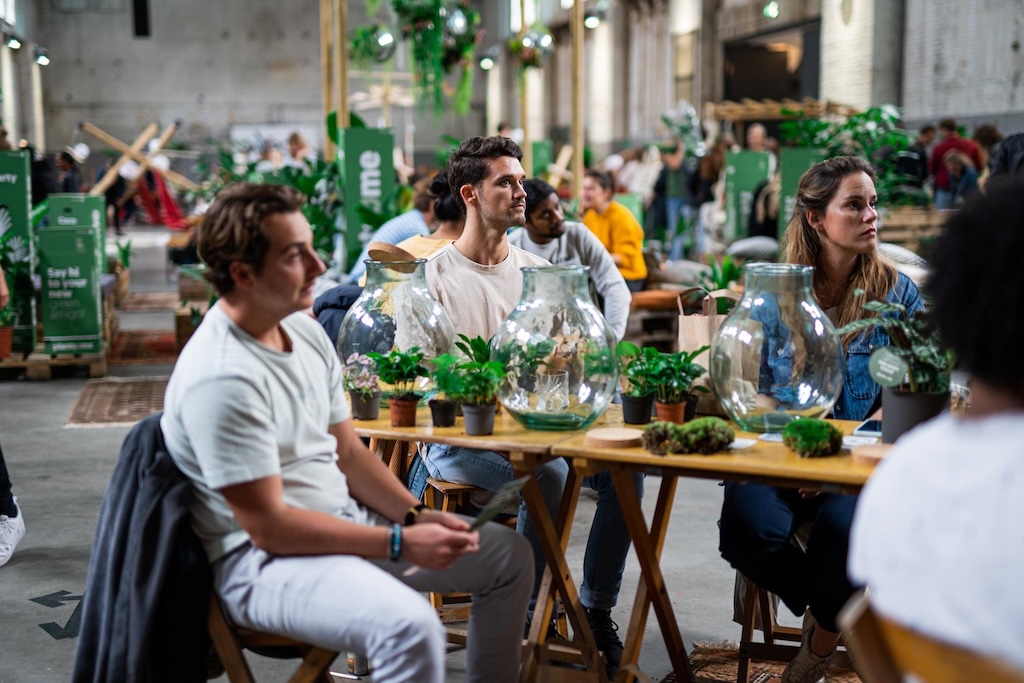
533, 48
371, 44
442, 38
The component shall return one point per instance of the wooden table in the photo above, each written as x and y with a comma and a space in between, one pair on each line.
526, 449
765, 462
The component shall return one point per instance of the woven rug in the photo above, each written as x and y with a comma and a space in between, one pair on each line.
719, 662
143, 347
152, 301
117, 401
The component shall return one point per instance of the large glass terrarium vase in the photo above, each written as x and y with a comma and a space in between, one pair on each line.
776, 357
558, 350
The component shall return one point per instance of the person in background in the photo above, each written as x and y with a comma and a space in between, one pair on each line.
69, 178
5, 143
671, 187
616, 228
299, 153
950, 139
415, 221
938, 535
834, 229
113, 195
12, 523
963, 179
757, 141
547, 234
913, 162
504, 130
1008, 159
988, 138
450, 221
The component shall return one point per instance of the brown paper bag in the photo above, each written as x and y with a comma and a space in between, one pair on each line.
697, 330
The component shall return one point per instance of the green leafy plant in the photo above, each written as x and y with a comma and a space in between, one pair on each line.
479, 382
124, 252
635, 363
723, 275
704, 435
812, 438
448, 378
475, 349
401, 369
672, 375
873, 134
929, 363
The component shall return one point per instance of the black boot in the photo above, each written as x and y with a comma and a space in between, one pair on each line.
607, 637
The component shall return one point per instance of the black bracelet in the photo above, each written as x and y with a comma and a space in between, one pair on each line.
394, 542
413, 513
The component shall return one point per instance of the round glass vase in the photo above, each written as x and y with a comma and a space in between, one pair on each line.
776, 357
558, 351
396, 310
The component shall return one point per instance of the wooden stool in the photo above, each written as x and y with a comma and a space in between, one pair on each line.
454, 607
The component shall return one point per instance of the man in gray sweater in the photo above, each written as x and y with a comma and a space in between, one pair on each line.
547, 234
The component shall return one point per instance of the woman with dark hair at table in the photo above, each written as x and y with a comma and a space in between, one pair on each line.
833, 228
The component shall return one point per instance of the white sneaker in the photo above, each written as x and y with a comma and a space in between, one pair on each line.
807, 667
11, 531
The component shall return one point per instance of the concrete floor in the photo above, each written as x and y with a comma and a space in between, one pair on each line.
60, 475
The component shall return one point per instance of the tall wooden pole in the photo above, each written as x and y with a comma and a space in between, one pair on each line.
325, 68
341, 60
524, 109
577, 29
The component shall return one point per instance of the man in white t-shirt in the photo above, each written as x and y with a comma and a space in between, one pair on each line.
309, 534
938, 534
478, 281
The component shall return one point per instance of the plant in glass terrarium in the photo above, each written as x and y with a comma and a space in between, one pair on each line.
359, 379
401, 369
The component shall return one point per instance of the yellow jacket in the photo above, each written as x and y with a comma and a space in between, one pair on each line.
622, 236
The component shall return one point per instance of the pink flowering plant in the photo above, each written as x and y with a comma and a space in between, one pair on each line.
360, 376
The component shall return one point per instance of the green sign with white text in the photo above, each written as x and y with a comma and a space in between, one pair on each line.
793, 163
81, 211
744, 171
543, 156
72, 309
16, 240
367, 165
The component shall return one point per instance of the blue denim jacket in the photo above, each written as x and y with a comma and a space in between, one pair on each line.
859, 390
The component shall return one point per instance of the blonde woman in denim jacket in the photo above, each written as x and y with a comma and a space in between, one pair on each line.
834, 229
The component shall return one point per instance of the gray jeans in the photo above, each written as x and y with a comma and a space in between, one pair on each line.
351, 604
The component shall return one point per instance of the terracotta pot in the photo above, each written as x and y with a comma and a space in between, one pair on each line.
636, 410
403, 411
364, 408
442, 412
6, 339
123, 287
479, 420
670, 412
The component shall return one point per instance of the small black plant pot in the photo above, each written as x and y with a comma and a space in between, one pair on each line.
691, 406
364, 409
904, 410
636, 410
479, 420
442, 412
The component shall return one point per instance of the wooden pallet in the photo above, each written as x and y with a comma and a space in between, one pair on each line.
39, 365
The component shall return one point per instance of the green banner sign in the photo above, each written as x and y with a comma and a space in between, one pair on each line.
72, 309
793, 163
18, 248
634, 202
81, 211
366, 162
543, 156
744, 171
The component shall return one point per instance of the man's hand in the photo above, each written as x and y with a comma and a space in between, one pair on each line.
445, 519
434, 546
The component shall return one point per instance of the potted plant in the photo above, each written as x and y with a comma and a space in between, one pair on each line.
913, 371
448, 382
123, 271
672, 376
637, 392
478, 394
360, 381
401, 369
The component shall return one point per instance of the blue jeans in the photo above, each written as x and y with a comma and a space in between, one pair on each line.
675, 239
944, 199
609, 541
756, 525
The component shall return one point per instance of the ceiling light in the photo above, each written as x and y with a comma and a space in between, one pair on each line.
486, 63
13, 41
42, 56
592, 21
771, 10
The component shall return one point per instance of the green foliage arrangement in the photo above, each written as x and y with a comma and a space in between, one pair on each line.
672, 375
124, 252
365, 48
401, 369
447, 376
479, 382
476, 349
913, 340
812, 438
721, 276
874, 135
705, 435
636, 363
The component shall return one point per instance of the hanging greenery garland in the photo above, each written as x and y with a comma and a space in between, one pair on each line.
533, 48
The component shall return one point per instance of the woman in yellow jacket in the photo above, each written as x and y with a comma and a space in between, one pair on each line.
616, 227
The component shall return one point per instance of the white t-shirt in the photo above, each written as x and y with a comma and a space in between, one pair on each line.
478, 298
938, 534
236, 411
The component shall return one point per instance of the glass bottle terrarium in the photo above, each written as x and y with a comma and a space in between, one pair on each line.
776, 357
395, 310
558, 351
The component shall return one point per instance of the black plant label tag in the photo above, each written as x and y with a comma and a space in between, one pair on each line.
887, 368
